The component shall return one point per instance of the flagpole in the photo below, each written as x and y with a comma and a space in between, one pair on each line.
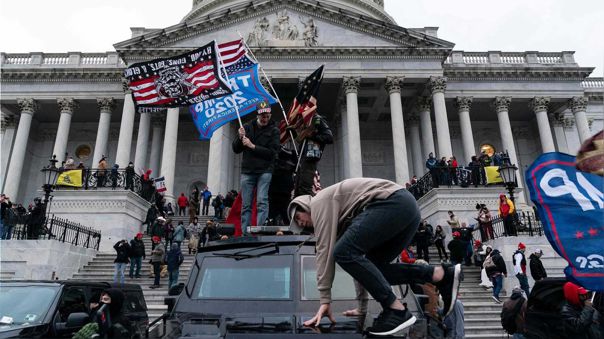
226, 75
270, 84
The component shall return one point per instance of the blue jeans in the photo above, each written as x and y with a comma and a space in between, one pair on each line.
119, 269
497, 285
135, 262
374, 239
248, 182
173, 278
523, 280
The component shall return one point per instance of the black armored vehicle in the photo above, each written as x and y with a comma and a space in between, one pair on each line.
265, 287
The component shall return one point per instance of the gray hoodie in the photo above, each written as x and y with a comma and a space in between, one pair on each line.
329, 210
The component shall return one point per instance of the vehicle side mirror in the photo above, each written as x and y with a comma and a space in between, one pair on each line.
77, 319
170, 301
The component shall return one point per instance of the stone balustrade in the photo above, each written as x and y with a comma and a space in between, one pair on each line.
109, 59
593, 83
458, 58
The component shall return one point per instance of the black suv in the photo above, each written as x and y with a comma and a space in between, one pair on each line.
265, 287
40, 309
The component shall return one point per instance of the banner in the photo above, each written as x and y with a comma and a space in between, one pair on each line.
570, 204
160, 184
493, 176
211, 114
71, 178
181, 80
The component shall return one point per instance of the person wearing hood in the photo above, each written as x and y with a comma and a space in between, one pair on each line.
580, 318
259, 143
506, 211
537, 270
496, 271
363, 224
174, 258
137, 254
432, 166
120, 326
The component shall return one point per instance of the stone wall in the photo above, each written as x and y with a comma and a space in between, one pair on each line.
38, 259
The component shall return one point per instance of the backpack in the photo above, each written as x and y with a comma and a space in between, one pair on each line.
488, 262
509, 312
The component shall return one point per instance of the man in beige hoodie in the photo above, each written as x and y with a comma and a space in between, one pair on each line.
363, 224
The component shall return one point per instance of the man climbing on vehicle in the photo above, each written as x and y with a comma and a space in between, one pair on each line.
363, 224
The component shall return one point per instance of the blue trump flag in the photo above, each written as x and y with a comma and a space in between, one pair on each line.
570, 204
211, 114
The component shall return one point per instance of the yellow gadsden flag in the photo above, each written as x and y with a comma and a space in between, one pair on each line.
493, 176
70, 178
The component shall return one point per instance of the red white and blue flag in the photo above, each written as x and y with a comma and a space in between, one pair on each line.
177, 81
570, 204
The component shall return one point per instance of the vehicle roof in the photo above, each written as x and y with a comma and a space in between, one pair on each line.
254, 241
69, 283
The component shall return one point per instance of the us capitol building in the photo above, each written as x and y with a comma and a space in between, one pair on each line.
391, 94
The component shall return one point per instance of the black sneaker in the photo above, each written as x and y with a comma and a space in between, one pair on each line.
449, 286
391, 321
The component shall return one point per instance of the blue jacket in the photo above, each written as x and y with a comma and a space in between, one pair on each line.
174, 258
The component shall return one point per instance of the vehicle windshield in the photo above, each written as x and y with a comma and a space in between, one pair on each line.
266, 277
25, 304
342, 287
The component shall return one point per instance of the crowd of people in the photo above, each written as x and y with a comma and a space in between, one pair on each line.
31, 218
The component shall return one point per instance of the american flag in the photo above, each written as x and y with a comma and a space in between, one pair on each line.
234, 56
304, 107
177, 81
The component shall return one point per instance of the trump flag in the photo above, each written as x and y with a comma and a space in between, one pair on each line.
211, 114
570, 204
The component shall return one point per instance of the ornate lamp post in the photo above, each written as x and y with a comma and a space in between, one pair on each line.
50, 177
508, 175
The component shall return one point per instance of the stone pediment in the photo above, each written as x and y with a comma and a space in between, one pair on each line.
283, 24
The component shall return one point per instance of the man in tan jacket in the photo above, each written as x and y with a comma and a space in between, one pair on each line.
363, 224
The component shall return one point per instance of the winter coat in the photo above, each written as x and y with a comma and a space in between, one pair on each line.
174, 258
458, 249
121, 327
123, 252
423, 236
537, 270
209, 234
157, 255
183, 201
431, 163
179, 233
499, 264
137, 248
578, 319
262, 158
407, 256
502, 209
157, 229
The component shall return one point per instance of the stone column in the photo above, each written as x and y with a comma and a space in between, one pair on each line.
7, 129
15, 168
399, 144
67, 106
467, 137
106, 106
502, 107
578, 105
539, 106
168, 160
353, 140
142, 141
416, 147
159, 122
438, 85
423, 107
124, 143
343, 143
218, 161
558, 122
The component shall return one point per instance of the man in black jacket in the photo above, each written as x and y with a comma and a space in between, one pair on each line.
496, 271
137, 254
313, 138
259, 143
121, 259
537, 269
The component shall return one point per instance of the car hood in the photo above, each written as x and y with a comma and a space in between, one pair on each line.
21, 330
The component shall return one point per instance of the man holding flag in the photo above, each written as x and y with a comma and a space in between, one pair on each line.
259, 142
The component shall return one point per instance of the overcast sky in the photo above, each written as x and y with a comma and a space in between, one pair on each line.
473, 25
